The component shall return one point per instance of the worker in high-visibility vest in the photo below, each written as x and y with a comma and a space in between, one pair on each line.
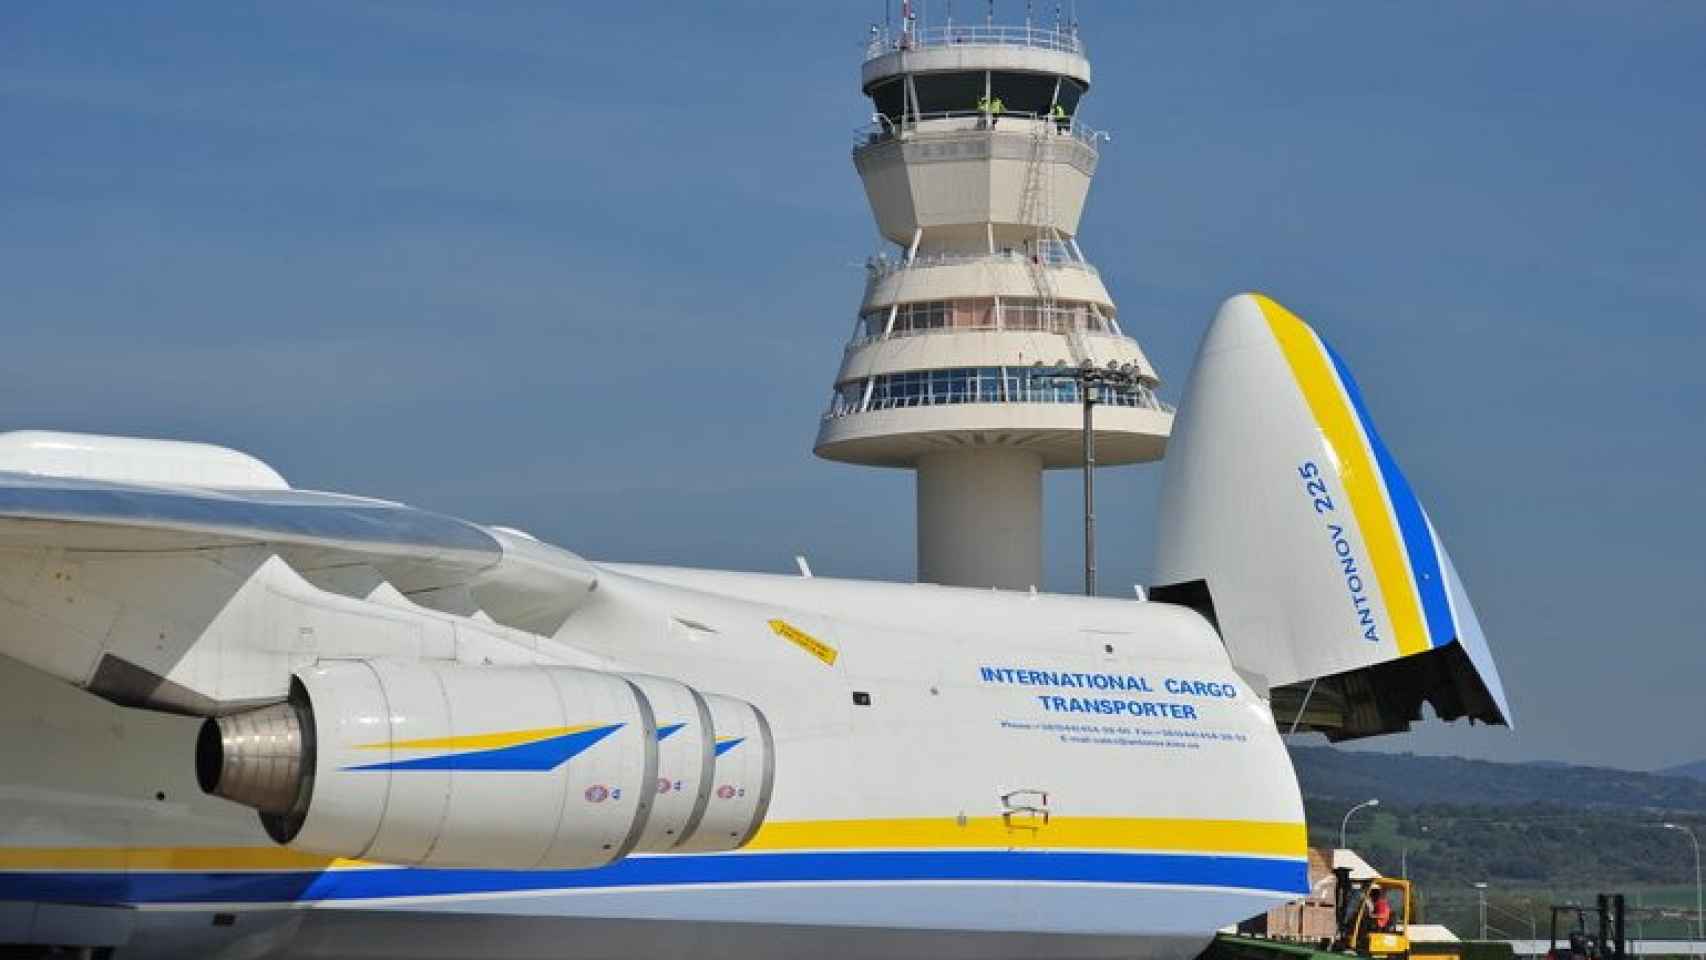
1380, 910
1058, 113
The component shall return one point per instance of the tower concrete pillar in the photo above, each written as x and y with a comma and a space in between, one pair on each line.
980, 518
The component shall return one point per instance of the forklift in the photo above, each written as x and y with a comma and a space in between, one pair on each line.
1372, 917
1605, 940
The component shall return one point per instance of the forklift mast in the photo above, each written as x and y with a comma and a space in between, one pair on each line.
1341, 898
1612, 938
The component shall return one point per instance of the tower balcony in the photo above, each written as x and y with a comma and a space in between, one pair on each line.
899, 399
942, 348
1062, 39
1016, 322
985, 408
959, 48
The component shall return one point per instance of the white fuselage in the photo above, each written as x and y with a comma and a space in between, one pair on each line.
957, 773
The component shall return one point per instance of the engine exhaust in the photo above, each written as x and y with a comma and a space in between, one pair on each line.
260, 758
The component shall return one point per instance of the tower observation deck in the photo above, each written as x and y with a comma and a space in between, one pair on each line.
977, 166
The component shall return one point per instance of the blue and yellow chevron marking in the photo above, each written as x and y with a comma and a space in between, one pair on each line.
1419, 541
725, 744
1401, 546
544, 748
664, 733
1240, 854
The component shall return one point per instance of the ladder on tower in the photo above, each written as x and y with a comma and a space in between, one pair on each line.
1036, 209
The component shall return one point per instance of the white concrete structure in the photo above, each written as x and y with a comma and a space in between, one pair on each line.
945, 372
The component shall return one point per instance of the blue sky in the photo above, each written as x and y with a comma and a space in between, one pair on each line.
587, 270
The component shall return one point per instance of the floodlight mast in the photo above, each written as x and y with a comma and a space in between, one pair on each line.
1091, 383
1699, 898
1088, 391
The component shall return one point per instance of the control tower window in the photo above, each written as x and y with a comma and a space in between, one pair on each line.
889, 98
1070, 91
1031, 93
979, 313
960, 92
949, 92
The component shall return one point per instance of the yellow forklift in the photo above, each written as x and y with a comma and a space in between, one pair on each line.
1604, 938
1372, 916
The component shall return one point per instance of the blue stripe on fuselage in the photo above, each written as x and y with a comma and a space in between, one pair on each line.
1252, 873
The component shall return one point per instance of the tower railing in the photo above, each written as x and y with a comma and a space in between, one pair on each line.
986, 385
1056, 256
883, 129
1059, 324
1062, 39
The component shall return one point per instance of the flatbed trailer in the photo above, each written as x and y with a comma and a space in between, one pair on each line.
1230, 946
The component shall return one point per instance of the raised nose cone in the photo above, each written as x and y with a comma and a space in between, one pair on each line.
1241, 322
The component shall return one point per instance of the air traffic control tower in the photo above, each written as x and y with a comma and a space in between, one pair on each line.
976, 166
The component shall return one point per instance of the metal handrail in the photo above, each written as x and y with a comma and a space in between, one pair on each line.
1062, 39
1054, 327
878, 268
1142, 398
882, 129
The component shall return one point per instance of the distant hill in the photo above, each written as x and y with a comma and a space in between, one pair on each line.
1539, 833
1695, 770
1405, 778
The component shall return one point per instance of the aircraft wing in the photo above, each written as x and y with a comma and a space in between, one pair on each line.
440, 561
332, 643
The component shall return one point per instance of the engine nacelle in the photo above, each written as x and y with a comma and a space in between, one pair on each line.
687, 759
745, 773
442, 764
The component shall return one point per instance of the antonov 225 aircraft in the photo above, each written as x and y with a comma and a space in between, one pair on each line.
244, 720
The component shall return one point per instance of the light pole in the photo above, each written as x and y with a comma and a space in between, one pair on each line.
1481, 892
1533, 928
1375, 802
1404, 858
1093, 383
1699, 914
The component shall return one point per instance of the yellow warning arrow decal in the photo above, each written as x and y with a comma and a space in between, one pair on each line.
805, 641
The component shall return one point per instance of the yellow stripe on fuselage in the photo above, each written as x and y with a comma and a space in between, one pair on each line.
1237, 837
1260, 837
1338, 422
478, 741
192, 859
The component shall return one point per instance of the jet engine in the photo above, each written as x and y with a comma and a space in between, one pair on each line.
443, 764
